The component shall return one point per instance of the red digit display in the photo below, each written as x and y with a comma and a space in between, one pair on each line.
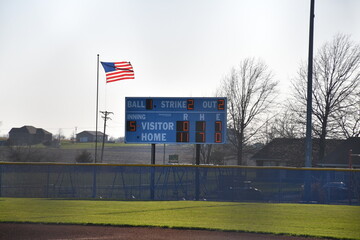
182, 126
218, 137
200, 137
218, 134
200, 129
182, 137
149, 104
200, 126
190, 104
182, 131
218, 126
221, 104
131, 126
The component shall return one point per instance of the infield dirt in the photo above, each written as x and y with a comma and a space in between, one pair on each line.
10, 231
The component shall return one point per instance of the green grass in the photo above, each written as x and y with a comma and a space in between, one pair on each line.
70, 145
291, 219
90, 145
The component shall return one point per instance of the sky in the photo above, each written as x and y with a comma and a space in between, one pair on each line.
178, 48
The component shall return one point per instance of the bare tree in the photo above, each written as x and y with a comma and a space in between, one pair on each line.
336, 77
250, 92
284, 125
212, 154
349, 118
205, 153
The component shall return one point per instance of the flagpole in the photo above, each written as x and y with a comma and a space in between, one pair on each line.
97, 108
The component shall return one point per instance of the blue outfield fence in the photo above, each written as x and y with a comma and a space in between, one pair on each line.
179, 182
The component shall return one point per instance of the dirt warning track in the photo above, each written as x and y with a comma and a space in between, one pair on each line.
78, 232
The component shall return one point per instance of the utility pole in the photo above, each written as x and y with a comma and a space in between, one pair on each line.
308, 141
105, 117
308, 149
74, 137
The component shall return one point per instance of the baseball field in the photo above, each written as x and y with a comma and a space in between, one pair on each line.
307, 220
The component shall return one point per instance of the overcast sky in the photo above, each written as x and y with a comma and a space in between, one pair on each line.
179, 48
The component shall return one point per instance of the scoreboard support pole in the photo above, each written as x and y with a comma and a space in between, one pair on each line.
152, 180
153, 153
197, 172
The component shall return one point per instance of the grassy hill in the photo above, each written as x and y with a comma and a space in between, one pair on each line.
117, 153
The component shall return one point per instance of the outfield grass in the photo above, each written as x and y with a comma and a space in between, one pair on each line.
292, 219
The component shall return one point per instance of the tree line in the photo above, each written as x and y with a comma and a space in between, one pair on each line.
256, 115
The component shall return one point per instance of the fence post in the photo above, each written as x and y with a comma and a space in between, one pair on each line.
94, 181
152, 177
197, 173
47, 181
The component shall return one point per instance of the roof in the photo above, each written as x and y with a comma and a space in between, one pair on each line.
91, 133
40, 130
292, 151
341, 154
29, 130
24, 129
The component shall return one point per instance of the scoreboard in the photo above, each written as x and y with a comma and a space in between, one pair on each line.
175, 120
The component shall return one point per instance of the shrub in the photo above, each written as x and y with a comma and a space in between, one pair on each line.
84, 157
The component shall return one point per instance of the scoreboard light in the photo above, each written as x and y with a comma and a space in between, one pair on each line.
175, 120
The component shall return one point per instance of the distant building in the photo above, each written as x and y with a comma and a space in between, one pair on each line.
290, 152
345, 155
29, 135
90, 136
3, 141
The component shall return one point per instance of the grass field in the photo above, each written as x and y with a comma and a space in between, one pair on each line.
338, 221
70, 145
66, 144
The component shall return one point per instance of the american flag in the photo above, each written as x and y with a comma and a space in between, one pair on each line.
116, 71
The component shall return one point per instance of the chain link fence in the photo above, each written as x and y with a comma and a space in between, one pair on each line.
179, 182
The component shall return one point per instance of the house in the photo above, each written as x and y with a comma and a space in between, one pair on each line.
29, 135
3, 141
90, 136
290, 152
345, 155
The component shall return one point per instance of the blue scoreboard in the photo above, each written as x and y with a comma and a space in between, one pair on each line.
175, 120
